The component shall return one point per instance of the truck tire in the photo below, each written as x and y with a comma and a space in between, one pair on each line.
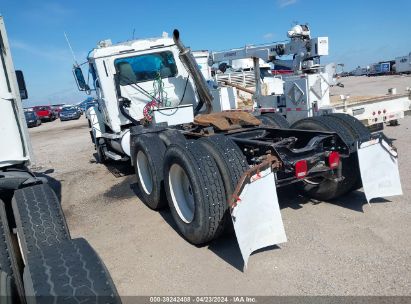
5, 245
275, 120
11, 283
149, 153
7, 290
171, 136
100, 145
358, 130
231, 164
323, 188
230, 161
39, 219
195, 192
68, 272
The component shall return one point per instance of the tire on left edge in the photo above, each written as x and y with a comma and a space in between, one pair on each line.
10, 277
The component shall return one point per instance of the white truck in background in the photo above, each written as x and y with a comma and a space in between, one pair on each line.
34, 237
213, 167
403, 64
306, 92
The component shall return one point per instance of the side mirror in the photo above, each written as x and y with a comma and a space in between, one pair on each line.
79, 77
22, 85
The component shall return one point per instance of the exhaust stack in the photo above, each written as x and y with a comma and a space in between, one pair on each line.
191, 66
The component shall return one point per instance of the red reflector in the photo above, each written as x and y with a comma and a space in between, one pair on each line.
334, 159
301, 169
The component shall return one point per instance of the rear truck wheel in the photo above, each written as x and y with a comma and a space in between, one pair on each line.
149, 153
322, 188
230, 161
11, 284
275, 120
171, 136
68, 272
195, 192
358, 131
39, 219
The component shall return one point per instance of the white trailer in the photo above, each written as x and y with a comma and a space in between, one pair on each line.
360, 71
213, 167
403, 64
34, 238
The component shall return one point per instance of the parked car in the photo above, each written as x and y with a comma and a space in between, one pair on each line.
69, 113
32, 119
45, 113
57, 109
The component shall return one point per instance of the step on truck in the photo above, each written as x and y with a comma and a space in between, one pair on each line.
217, 169
39, 261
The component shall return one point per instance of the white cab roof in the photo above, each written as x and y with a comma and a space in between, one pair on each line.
129, 46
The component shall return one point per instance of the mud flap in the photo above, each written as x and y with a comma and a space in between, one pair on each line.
379, 169
256, 215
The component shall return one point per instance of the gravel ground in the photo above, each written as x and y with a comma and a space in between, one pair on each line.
372, 86
344, 247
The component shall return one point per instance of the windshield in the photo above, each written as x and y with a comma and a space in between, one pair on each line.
146, 67
68, 109
42, 108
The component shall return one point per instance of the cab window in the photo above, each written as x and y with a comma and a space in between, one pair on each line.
146, 67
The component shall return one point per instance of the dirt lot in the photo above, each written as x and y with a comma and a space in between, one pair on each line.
344, 247
372, 86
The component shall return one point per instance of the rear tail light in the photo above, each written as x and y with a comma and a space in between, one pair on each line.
334, 159
301, 169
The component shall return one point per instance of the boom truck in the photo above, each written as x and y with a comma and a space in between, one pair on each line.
39, 261
305, 92
219, 168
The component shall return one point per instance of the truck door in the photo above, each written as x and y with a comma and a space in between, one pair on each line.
14, 146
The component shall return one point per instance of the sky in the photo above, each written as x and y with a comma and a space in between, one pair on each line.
360, 32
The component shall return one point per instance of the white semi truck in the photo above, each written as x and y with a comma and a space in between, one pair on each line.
39, 262
212, 167
306, 92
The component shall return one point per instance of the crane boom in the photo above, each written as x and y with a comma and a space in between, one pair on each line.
305, 50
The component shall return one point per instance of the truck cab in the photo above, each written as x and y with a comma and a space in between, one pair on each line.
150, 68
15, 148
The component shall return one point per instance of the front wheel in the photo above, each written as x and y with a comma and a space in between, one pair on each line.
101, 156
